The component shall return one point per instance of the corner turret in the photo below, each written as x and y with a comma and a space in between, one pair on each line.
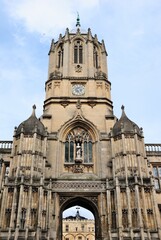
124, 124
31, 125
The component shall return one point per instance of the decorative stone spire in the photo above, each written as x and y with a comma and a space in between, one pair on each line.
67, 34
104, 48
52, 46
78, 21
89, 34
122, 107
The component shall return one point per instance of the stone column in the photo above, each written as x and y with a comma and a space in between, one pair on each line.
129, 210
119, 214
19, 208
52, 217
4, 197
13, 211
103, 216
138, 155
2, 172
28, 214
108, 212
156, 210
38, 235
139, 215
18, 164
33, 152
113, 155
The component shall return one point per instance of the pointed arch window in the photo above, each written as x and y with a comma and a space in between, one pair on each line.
60, 56
78, 52
78, 146
95, 57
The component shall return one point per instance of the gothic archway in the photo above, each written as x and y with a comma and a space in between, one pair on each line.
90, 203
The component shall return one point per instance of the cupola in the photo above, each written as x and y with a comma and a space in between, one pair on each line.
125, 125
31, 125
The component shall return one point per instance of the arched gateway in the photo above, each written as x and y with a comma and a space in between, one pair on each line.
78, 153
85, 202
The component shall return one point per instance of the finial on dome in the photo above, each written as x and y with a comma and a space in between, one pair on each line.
78, 20
122, 107
123, 111
33, 111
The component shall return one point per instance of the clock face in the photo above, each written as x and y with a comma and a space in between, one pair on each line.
78, 89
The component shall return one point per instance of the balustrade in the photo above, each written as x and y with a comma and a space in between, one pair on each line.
6, 144
153, 147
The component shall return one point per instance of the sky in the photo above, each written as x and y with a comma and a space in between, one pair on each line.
131, 30
83, 212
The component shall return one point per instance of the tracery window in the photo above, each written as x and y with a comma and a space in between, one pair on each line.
78, 146
157, 176
78, 52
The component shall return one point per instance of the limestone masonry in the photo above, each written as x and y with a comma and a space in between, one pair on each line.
79, 153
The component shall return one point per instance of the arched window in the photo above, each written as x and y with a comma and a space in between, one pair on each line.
78, 52
78, 146
60, 56
95, 57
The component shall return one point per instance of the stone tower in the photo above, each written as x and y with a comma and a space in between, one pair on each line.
78, 153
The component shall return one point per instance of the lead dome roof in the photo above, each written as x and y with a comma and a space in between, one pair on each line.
124, 124
31, 125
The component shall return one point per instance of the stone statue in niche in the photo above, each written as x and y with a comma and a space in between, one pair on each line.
78, 158
78, 151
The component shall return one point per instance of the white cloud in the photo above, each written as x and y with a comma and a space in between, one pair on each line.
41, 16
132, 33
49, 16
